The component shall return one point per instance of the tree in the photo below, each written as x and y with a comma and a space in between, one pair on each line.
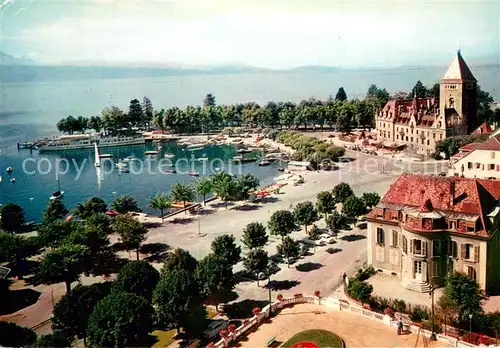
341, 192
256, 262
209, 100
377, 97
325, 203
147, 111
12, 335
254, 235
225, 247
282, 223
113, 120
53, 233
214, 278
289, 248
55, 210
120, 320
137, 277
336, 221
71, 313
131, 231
203, 187
434, 91
11, 217
174, 298
54, 339
15, 248
370, 199
353, 207
179, 259
100, 221
182, 193
224, 186
161, 202
94, 205
341, 94
135, 115
344, 120
418, 91
95, 123
400, 95
64, 264
247, 182
465, 293
447, 309
305, 213
124, 204
483, 102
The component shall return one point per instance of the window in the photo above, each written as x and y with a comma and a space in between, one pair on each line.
471, 272
394, 243
380, 236
428, 142
436, 248
491, 166
405, 245
493, 155
436, 269
469, 165
478, 165
470, 229
452, 248
411, 139
419, 247
453, 225
470, 252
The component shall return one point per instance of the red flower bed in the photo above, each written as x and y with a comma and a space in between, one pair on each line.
388, 311
232, 328
472, 338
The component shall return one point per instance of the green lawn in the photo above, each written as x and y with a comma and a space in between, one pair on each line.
164, 337
322, 338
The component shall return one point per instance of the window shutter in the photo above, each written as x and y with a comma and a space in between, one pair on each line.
476, 253
462, 247
424, 248
411, 246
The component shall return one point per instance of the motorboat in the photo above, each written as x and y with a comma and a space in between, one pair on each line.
128, 159
152, 152
169, 155
281, 169
9, 170
196, 148
264, 163
194, 174
170, 171
106, 155
12, 180
244, 151
58, 194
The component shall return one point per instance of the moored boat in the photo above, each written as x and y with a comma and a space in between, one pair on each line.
58, 194
264, 163
151, 152
169, 155
194, 174
65, 143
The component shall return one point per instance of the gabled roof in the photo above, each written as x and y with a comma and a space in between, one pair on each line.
485, 128
458, 71
447, 194
492, 144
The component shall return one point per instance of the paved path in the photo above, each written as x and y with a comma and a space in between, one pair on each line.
355, 330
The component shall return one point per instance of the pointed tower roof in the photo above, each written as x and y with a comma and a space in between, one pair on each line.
458, 71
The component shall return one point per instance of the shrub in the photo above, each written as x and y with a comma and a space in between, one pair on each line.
359, 290
418, 314
399, 305
315, 232
364, 274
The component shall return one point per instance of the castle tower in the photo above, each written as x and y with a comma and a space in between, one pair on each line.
457, 98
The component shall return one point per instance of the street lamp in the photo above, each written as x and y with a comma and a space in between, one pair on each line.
431, 294
470, 323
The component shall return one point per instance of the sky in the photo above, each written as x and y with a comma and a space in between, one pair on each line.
264, 33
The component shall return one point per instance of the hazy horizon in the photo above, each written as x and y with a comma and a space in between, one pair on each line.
271, 34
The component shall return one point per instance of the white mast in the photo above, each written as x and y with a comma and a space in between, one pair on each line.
97, 162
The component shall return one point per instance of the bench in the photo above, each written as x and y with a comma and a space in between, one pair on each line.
271, 341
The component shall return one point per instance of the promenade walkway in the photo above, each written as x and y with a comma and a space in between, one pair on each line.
355, 330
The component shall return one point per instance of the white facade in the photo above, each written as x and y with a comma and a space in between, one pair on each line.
481, 164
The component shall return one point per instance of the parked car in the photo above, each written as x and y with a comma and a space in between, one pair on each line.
214, 328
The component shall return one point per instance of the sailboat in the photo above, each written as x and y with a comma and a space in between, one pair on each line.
97, 162
58, 194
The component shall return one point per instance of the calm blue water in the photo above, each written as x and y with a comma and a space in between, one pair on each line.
36, 182
31, 110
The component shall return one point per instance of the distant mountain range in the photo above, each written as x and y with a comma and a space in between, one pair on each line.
7, 59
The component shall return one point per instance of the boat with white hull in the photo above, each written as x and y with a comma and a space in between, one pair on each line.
88, 143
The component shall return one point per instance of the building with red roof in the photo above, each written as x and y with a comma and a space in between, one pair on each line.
426, 227
422, 122
478, 160
484, 128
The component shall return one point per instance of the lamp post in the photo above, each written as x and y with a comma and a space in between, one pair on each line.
470, 323
431, 293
